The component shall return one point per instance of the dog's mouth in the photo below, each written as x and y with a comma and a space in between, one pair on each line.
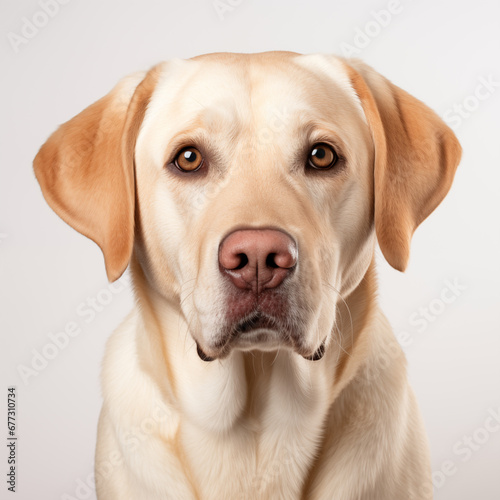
256, 321
262, 332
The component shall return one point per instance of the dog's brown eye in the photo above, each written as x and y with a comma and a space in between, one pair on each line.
188, 160
322, 157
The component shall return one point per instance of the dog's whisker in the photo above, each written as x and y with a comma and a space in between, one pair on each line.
276, 356
348, 311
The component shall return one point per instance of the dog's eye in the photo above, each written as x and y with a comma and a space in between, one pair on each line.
322, 157
188, 160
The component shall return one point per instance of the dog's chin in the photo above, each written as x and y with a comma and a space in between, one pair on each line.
271, 341
262, 339
260, 333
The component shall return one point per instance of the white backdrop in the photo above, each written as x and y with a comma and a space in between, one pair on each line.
60, 56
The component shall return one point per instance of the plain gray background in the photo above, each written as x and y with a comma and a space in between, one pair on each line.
446, 306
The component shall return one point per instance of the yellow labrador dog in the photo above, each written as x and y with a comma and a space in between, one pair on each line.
247, 192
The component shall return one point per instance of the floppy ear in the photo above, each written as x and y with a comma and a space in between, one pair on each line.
416, 155
86, 169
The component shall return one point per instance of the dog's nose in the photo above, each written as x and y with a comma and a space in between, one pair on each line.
257, 259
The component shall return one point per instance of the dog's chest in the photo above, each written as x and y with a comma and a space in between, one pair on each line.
268, 449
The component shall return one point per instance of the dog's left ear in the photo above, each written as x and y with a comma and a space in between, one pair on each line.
416, 155
86, 169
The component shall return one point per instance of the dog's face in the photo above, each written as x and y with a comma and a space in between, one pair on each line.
258, 185
256, 191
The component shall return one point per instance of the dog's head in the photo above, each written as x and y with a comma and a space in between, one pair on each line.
250, 188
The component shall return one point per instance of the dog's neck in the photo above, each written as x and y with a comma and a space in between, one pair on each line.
257, 410
218, 395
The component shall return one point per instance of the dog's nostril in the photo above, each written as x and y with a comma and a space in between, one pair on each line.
271, 261
243, 261
257, 258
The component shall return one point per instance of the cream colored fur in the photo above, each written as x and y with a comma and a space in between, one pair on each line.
260, 423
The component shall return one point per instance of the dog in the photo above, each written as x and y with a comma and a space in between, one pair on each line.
247, 193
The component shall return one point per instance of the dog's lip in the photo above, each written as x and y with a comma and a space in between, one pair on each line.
202, 355
248, 335
260, 325
257, 331
318, 353
254, 322
315, 356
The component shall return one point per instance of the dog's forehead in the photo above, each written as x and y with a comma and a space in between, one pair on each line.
261, 89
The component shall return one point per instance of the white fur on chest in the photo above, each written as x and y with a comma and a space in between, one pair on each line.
208, 440
264, 454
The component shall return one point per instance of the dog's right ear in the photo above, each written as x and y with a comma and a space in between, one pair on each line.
86, 169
